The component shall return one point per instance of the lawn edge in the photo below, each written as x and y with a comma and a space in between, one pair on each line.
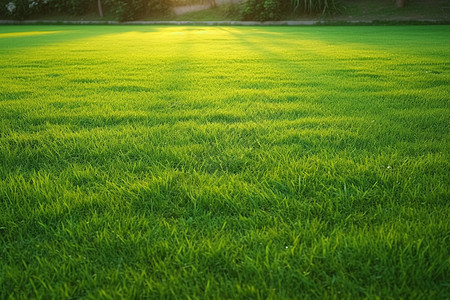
231, 23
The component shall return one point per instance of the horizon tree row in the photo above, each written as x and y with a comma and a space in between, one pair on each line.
125, 10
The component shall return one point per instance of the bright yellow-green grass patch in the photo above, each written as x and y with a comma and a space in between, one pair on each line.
224, 162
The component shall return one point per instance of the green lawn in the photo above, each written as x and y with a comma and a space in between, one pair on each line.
224, 162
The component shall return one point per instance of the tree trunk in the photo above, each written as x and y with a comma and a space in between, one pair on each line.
100, 10
400, 3
213, 3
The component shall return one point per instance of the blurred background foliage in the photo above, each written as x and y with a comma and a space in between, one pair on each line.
127, 10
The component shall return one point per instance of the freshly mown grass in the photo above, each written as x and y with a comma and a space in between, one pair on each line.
224, 162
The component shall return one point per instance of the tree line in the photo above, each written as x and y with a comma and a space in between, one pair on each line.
125, 10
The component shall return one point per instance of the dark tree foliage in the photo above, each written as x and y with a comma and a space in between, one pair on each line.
71, 7
126, 10
263, 10
123, 10
159, 6
268, 10
22, 9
